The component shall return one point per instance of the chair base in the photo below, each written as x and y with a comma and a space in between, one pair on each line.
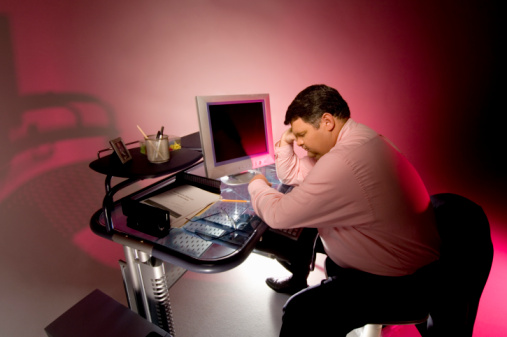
372, 330
375, 330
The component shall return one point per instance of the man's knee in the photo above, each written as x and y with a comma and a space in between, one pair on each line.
308, 303
318, 310
299, 316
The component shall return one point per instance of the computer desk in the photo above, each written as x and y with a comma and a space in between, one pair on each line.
148, 258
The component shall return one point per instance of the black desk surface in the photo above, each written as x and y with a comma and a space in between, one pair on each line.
140, 168
182, 247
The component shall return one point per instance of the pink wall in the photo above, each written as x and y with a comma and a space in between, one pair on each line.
424, 73
419, 73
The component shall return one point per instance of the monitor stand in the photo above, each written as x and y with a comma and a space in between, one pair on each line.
240, 178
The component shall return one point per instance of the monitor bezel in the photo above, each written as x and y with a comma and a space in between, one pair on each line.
214, 171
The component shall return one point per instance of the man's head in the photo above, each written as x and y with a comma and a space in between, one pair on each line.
316, 116
311, 103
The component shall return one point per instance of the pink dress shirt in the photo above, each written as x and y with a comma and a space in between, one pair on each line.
370, 206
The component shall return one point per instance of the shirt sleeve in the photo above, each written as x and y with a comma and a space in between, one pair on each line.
322, 200
290, 169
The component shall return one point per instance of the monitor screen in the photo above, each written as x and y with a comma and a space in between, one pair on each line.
235, 134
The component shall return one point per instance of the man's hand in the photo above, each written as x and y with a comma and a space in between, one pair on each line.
287, 138
262, 177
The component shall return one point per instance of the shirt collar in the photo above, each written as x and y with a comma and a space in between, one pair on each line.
349, 124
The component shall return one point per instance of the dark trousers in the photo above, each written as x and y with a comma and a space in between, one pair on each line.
349, 299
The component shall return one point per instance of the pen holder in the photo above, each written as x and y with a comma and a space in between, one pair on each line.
157, 150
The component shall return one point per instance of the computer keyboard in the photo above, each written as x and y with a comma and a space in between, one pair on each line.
291, 233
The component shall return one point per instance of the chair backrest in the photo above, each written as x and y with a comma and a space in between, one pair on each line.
466, 258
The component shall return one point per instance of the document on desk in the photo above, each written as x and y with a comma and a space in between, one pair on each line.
183, 202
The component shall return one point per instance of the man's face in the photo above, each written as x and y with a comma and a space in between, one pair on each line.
315, 141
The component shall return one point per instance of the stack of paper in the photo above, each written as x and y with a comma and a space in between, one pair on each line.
183, 202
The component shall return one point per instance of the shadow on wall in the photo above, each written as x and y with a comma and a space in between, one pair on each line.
47, 141
27, 121
34, 127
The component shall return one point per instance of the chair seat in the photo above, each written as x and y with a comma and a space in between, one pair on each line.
404, 321
375, 329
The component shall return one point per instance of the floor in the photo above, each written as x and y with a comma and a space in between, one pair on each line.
50, 260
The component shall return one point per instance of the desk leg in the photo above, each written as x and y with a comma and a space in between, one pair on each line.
147, 288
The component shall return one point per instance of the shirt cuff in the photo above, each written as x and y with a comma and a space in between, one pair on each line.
286, 149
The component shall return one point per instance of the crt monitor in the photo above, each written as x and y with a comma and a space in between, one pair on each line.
236, 135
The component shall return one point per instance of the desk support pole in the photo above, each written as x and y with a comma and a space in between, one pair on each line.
108, 202
147, 288
133, 283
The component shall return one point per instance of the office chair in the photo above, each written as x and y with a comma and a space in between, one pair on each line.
465, 263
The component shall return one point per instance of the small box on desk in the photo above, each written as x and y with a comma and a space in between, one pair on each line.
174, 143
151, 216
148, 219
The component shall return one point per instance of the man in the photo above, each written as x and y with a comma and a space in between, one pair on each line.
371, 210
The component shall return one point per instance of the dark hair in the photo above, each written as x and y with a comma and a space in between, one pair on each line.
311, 103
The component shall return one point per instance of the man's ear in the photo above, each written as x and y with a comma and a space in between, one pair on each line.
328, 121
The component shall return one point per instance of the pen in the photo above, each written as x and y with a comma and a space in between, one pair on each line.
231, 200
